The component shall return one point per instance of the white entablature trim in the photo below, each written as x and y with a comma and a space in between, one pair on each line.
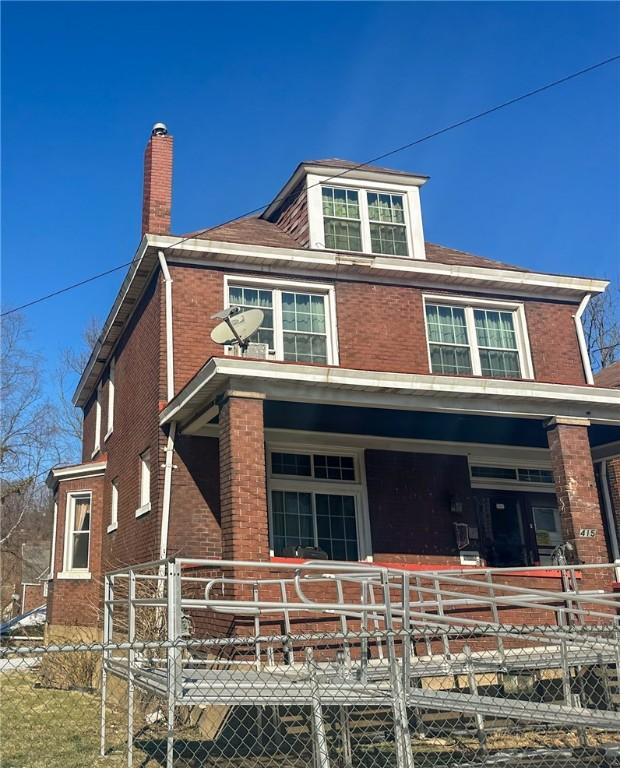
76, 471
343, 386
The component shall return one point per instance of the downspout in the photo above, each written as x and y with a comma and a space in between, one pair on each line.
583, 347
169, 449
609, 515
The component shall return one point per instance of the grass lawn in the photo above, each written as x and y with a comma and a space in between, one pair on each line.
44, 728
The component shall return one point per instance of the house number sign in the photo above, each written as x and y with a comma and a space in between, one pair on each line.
587, 533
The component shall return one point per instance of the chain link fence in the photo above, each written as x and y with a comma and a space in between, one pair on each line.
432, 697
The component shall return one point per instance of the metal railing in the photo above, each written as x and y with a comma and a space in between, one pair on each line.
390, 631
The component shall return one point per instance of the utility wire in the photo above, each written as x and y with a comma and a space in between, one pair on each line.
284, 198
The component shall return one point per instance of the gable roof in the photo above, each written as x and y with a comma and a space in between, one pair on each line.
256, 231
337, 162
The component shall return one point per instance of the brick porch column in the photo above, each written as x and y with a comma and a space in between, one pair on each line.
576, 492
243, 493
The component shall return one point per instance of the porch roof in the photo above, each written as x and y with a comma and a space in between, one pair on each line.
294, 382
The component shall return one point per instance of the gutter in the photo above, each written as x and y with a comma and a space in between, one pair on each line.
165, 511
583, 347
169, 449
169, 337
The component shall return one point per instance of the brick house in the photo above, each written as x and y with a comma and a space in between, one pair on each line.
403, 402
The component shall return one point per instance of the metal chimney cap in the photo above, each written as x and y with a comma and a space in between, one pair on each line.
159, 129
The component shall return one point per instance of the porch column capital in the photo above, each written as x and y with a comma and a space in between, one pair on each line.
568, 421
247, 395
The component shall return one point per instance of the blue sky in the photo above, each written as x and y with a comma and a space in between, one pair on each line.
248, 90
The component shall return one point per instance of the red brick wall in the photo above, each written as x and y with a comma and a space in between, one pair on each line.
195, 507
136, 428
75, 602
409, 499
157, 195
613, 483
380, 327
242, 480
293, 216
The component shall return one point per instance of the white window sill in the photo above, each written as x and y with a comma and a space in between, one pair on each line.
112, 527
107, 434
143, 509
77, 575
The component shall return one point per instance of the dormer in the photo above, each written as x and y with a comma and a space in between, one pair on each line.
337, 206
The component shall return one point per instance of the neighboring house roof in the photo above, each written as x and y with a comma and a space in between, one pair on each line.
609, 376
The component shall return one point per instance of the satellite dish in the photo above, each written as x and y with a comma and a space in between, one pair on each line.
237, 326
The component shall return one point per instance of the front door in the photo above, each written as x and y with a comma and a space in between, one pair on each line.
548, 531
508, 541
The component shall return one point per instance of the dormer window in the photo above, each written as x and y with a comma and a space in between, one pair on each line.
365, 221
388, 231
341, 217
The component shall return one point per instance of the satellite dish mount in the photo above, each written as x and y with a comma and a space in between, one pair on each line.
237, 326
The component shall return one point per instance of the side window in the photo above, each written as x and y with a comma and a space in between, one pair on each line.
145, 483
77, 534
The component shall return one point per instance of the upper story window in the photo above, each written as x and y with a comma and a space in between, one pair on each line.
298, 318
477, 338
77, 533
111, 375
361, 220
97, 444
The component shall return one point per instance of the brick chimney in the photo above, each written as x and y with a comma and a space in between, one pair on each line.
157, 195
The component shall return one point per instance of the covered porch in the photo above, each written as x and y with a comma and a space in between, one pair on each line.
414, 471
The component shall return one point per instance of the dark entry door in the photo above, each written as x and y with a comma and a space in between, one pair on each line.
508, 539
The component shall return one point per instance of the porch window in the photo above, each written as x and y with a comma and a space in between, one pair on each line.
77, 541
296, 324
315, 501
323, 520
465, 338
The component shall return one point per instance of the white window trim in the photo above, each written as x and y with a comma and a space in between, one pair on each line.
145, 485
355, 488
506, 484
97, 445
53, 548
113, 506
278, 286
412, 208
469, 304
68, 572
110, 427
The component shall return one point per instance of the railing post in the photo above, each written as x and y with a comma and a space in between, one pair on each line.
131, 656
104, 659
473, 690
402, 737
495, 614
173, 578
319, 739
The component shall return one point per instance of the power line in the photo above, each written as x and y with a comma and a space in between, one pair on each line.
391, 152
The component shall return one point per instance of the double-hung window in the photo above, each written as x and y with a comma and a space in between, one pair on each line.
145, 483
97, 444
316, 501
297, 323
364, 221
111, 374
477, 339
77, 534
113, 525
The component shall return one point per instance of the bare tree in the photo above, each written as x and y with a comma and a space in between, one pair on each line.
72, 363
601, 325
